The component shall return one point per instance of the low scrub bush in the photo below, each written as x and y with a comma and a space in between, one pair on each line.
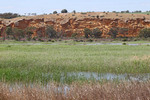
124, 43
113, 32
50, 32
89, 40
87, 32
74, 35
125, 39
97, 33
144, 33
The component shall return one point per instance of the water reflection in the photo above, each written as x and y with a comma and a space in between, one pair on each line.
109, 76
87, 75
98, 76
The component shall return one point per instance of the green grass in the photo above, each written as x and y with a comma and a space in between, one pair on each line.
36, 63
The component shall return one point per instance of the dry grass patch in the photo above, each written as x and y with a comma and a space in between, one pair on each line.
96, 91
138, 58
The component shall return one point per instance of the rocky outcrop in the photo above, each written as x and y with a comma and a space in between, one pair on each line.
75, 23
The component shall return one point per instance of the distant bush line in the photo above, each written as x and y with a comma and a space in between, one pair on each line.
9, 15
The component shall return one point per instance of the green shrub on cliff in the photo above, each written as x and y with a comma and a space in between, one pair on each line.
123, 31
18, 33
113, 32
74, 35
39, 34
87, 33
8, 31
97, 33
29, 31
50, 32
144, 33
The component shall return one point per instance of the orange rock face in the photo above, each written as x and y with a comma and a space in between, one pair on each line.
75, 23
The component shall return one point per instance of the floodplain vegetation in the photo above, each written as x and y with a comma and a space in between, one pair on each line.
33, 71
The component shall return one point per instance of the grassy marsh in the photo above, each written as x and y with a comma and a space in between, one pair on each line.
30, 63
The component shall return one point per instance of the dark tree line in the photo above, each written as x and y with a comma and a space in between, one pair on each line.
50, 32
9, 15
18, 34
97, 33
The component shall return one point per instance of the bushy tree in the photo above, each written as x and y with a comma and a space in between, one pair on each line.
18, 33
39, 34
123, 31
74, 35
29, 32
145, 33
64, 11
113, 32
54, 12
97, 33
87, 32
60, 34
127, 11
8, 31
50, 32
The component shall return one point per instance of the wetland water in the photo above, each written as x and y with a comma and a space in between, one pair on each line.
100, 76
87, 75
110, 76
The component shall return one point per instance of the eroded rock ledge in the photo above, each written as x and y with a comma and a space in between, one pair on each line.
75, 23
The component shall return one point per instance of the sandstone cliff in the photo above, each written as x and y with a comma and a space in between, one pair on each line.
75, 23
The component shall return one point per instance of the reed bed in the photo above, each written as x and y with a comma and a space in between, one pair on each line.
76, 91
32, 63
